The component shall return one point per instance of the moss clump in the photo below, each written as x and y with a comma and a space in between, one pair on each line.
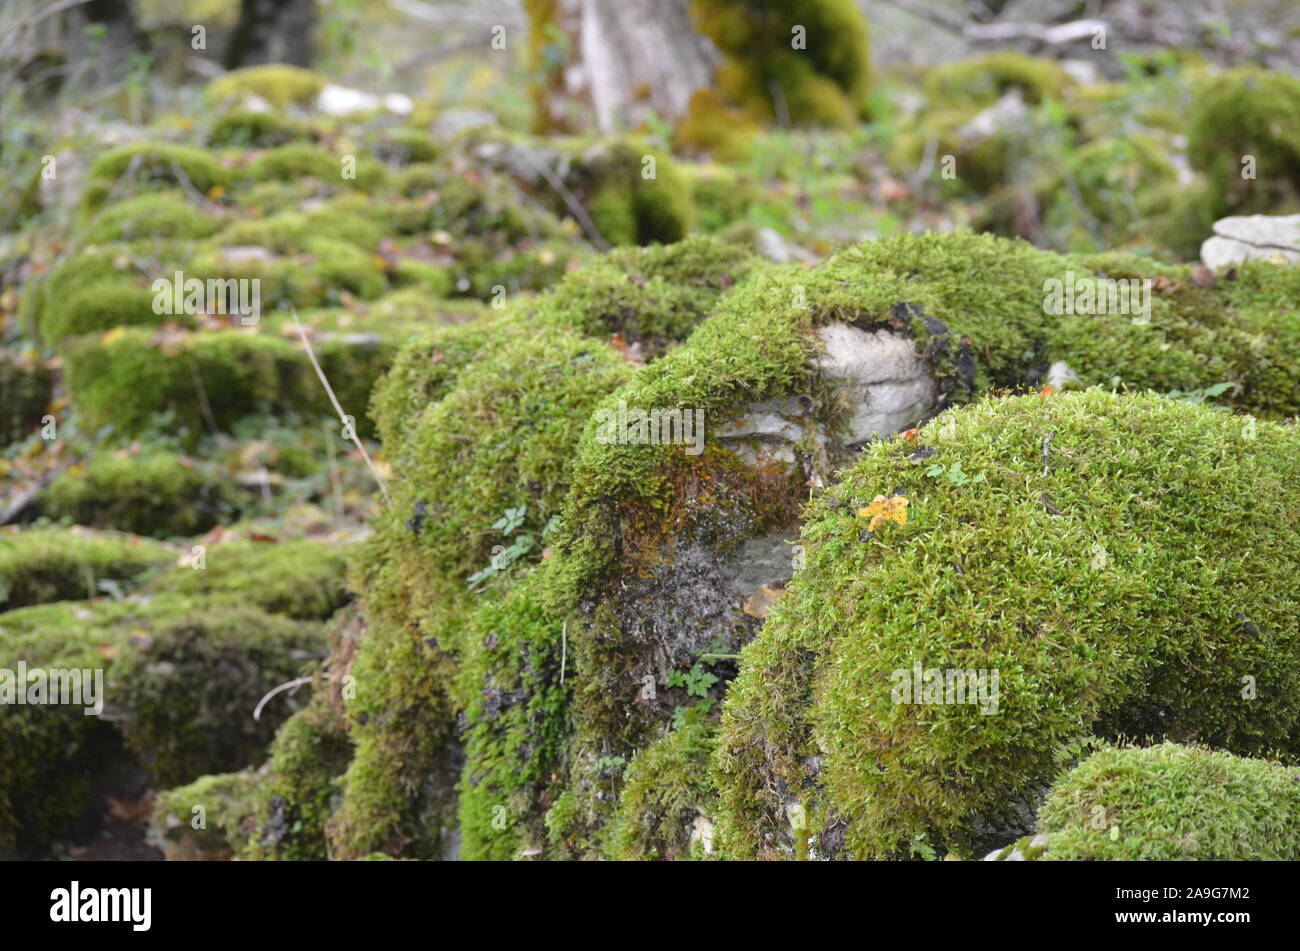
165, 215
100, 307
292, 232
26, 387
279, 84
981, 80
653, 297
1248, 112
663, 811
1166, 532
1171, 803
298, 578
192, 690
429, 278
825, 83
181, 678
39, 565
636, 196
301, 160
256, 130
158, 494
299, 790
210, 819
153, 164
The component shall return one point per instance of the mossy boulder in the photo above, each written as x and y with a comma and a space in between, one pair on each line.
635, 195
100, 307
181, 679
1172, 803
1164, 531
258, 130
153, 165
54, 564
279, 84
981, 80
667, 795
158, 493
210, 819
813, 54
297, 160
168, 215
1244, 135
298, 578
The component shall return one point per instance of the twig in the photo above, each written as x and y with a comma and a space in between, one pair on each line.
564, 648
343, 417
1050, 507
1047, 443
204, 405
257, 713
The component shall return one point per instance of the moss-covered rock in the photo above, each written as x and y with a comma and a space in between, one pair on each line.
813, 54
663, 811
1164, 531
302, 160
260, 130
181, 678
1244, 134
158, 494
164, 215
298, 578
1170, 803
152, 164
279, 84
210, 819
981, 80
635, 195
100, 307
53, 564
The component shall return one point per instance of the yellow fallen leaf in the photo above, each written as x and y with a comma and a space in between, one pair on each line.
885, 509
114, 335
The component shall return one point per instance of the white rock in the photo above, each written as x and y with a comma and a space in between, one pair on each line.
1248, 237
341, 101
398, 104
769, 243
887, 383
1009, 112
1059, 373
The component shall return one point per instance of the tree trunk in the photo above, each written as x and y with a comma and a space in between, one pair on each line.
627, 60
272, 31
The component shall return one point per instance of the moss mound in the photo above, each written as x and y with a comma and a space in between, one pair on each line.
815, 53
667, 795
981, 80
279, 84
298, 578
40, 565
1172, 803
163, 215
158, 494
1248, 112
210, 819
1166, 532
152, 164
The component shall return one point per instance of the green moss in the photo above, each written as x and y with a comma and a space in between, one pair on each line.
515, 725
299, 790
153, 164
825, 83
39, 565
181, 678
26, 388
667, 789
259, 130
301, 160
291, 232
99, 307
279, 84
981, 80
210, 819
167, 215
1248, 112
654, 297
194, 689
298, 578
429, 278
1171, 803
1176, 528
156, 494
636, 195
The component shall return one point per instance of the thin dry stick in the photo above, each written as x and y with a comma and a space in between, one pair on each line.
564, 648
343, 417
257, 712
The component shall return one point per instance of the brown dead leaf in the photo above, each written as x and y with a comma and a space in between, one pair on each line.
760, 602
